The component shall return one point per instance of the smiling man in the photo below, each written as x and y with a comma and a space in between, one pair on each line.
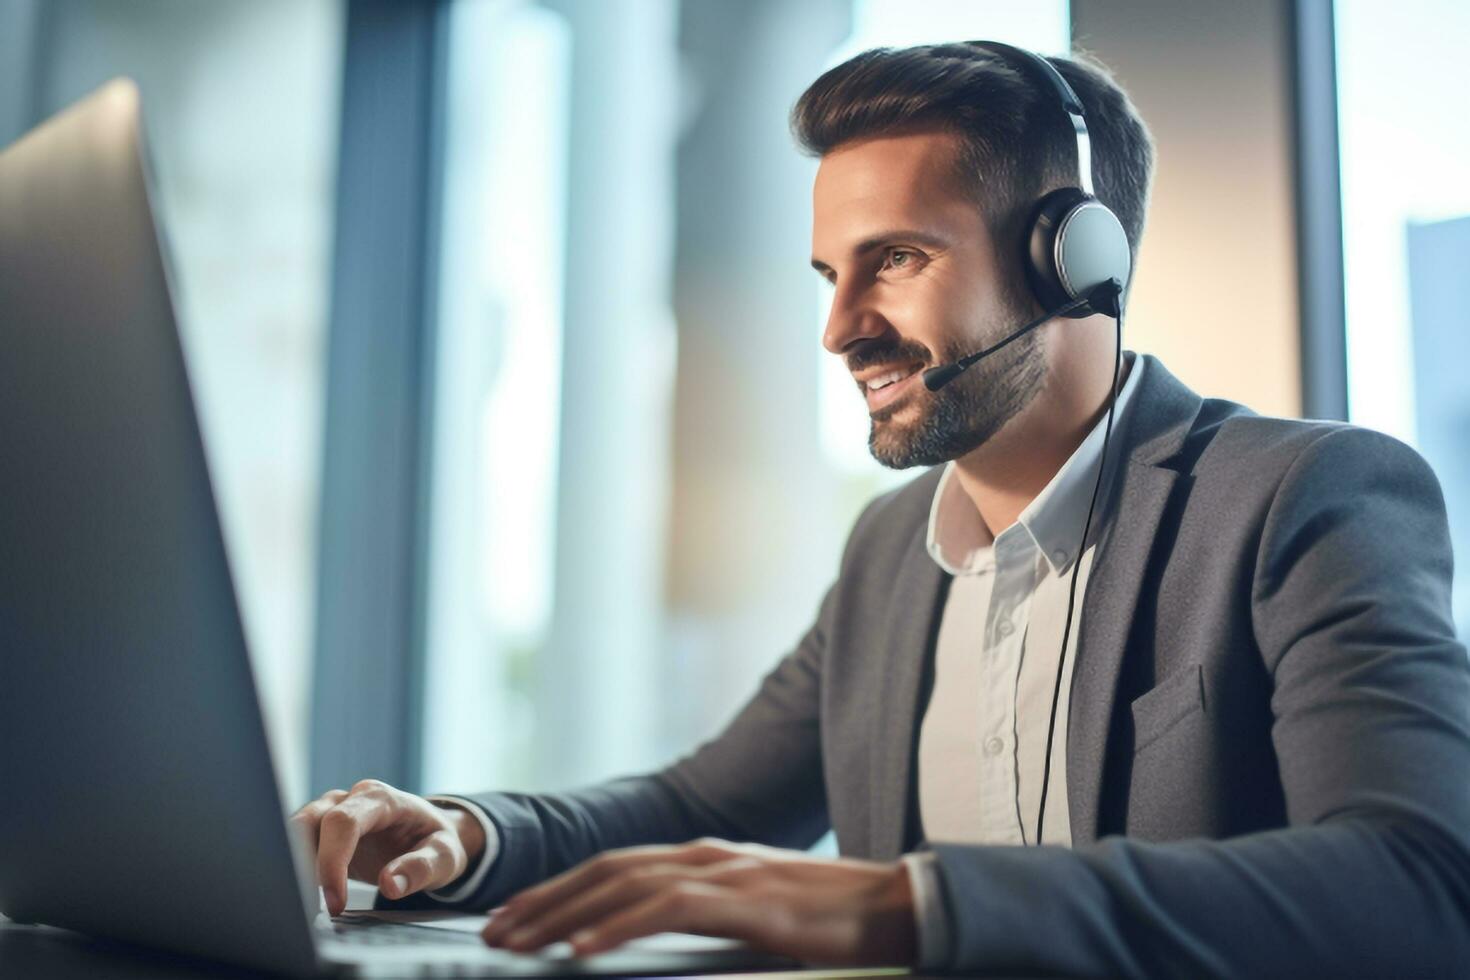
1253, 735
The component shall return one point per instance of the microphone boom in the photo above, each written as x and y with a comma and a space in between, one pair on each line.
1102, 298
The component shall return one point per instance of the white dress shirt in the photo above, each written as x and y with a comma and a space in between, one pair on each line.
982, 742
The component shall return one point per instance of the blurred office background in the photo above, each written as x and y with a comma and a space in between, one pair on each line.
507, 349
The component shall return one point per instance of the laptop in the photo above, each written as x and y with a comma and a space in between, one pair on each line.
138, 800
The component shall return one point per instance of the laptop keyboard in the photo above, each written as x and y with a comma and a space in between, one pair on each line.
375, 932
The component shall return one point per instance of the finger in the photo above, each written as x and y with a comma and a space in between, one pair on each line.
534, 902
690, 906
587, 908
308, 819
340, 829
433, 863
624, 890
738, 872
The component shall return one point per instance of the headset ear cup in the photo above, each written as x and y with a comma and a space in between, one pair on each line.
1047, 217
1076, 243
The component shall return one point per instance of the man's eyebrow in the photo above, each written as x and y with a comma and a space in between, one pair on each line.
887, 238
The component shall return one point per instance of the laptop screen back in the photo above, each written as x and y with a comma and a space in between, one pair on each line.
139, 797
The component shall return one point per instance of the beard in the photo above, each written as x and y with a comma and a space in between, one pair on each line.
965, 413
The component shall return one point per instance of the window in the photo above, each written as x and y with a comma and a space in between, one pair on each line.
555, 359
497, 390
1406, 238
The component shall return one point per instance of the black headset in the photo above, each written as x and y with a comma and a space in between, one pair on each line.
1077, 263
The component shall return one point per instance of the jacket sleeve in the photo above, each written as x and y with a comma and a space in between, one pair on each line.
759, 780
1371, 705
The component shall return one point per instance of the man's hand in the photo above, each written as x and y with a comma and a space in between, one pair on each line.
379, 834
842, 911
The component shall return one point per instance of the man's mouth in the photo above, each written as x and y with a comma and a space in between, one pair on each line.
888, 386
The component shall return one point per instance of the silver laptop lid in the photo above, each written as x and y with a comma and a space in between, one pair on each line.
139, 797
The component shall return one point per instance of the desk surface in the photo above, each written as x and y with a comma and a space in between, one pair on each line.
57, 954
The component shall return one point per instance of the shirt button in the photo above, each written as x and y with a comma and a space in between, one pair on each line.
1059, 557
1006, 629
993, 745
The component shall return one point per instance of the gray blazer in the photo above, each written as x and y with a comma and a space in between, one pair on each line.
1268, 746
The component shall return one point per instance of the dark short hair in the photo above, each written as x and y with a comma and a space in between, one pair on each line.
1016, 137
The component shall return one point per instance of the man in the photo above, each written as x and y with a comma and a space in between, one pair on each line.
1262, 718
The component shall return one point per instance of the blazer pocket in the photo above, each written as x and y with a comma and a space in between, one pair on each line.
1157, 709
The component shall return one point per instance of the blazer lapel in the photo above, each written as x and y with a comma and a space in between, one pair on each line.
1159, 420
908, 644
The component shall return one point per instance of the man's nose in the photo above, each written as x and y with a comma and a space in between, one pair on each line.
850, 320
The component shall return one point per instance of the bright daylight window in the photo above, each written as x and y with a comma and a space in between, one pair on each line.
1406, 237
497, 389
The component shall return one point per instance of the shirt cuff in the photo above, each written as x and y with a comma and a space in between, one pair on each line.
487, 857
930, 915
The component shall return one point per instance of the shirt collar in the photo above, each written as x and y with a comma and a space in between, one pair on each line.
960, 543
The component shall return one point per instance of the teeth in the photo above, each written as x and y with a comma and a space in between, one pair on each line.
884, 380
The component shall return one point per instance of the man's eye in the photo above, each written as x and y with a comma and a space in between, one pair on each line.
901, 259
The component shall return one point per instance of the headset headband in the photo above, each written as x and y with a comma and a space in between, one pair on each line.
1068, 98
